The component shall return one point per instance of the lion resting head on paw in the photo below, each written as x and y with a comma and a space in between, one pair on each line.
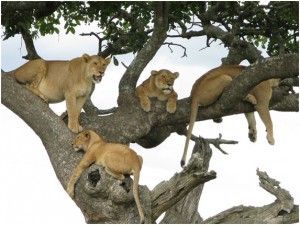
159, 85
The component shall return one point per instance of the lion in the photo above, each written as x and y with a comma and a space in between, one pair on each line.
159, 85
208, 88
55, 81
118, 160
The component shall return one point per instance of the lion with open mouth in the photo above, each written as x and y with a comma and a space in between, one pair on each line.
55, 81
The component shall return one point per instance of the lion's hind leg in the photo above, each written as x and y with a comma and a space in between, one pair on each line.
265, 116
252, 134
116, 175
32, 74
250, 98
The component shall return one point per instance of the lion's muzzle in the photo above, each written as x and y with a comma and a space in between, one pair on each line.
167, 90
97, 78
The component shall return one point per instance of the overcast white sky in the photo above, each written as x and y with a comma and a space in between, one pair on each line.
31, 194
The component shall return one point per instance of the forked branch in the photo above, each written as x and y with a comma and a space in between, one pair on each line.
216, 142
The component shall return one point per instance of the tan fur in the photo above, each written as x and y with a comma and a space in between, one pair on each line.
55, 81
208, 88
118, 160
159, 85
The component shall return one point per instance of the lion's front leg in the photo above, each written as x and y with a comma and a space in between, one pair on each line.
172, 102
79, 105
84, 163
73, 113
144, 100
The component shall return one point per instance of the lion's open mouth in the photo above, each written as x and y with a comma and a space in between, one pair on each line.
98, 78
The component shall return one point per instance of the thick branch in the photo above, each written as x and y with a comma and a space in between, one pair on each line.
186, 210
282, 210
275, 67
31, 52
104, 199
167, 193
128, 82
44, 122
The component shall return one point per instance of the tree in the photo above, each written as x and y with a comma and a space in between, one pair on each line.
142, 28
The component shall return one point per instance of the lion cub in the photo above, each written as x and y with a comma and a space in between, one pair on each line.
55, 81
118, 160
208, 88
159, 85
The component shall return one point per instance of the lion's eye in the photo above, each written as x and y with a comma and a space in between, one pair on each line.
95, 63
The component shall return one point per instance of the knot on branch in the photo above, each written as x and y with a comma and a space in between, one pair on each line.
99, 184
104, 199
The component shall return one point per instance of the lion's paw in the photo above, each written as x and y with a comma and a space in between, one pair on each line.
146, 106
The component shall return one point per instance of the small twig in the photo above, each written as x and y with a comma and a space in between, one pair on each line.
97, 36
94, 34
216, 142
124, 65
171, 43
207, 44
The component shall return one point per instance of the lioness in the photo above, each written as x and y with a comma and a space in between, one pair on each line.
55, 81
118, 160
208, 88
159, 85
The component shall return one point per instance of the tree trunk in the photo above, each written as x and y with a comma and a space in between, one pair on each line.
101, 198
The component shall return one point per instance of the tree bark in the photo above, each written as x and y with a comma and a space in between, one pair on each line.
282, 210
135, 124
186, 210
103, 199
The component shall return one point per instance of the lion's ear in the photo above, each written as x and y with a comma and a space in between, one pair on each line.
176, 74
107, 60
87, 135
86, 57
153, 72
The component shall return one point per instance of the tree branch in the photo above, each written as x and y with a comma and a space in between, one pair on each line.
129, 79
282, 210
186, 210
44, 122
286, 66
215, 142
31, 52
167, 193
171, 43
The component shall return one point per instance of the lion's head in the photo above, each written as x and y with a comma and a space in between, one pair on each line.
82, 140
164, 80
96, 66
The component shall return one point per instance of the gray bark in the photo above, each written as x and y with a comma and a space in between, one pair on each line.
103, 199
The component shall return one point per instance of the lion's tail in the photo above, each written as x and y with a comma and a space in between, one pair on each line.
136, 175
194, 111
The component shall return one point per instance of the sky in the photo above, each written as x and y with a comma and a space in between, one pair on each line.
31, 194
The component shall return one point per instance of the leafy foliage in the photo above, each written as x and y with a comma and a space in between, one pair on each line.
125, 27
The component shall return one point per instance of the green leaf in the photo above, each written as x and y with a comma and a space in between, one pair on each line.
116, 62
